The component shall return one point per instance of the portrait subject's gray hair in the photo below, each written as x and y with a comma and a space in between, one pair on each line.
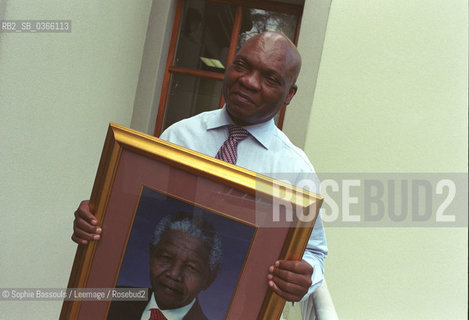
194, 226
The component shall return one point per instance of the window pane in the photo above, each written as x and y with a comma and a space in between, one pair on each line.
189, 95
263, 20
205, 35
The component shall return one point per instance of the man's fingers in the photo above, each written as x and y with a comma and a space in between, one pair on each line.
85, 213
79, 224
81, 236
88, 216
92, 233
289, 277
289, 287
300, 267
78, 240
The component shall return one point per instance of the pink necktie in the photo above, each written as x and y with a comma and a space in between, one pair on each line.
228, 151
156, 314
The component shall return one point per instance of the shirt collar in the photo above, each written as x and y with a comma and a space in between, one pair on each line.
262, 132
170, 314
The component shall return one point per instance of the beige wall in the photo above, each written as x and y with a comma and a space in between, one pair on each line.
391, 96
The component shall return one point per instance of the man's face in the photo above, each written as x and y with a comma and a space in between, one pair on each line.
260, 80
179, 269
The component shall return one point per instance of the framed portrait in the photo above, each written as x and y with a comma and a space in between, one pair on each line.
142, 185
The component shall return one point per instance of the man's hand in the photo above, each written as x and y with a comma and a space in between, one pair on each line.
290, 279
85, 225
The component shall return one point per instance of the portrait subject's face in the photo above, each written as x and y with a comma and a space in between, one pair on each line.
260, 80
179, 269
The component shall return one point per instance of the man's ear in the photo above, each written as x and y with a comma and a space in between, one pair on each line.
290, 94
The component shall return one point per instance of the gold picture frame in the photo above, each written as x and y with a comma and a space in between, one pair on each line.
132, 161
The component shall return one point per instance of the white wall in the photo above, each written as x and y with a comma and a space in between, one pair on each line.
391, 96
58, 92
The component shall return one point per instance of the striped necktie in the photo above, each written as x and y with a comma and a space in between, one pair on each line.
228, 151
156, 314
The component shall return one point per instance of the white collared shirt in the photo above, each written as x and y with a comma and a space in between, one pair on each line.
170, 314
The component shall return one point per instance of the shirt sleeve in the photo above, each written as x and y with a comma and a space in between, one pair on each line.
176, 135
316, 250
315, 253
166, 135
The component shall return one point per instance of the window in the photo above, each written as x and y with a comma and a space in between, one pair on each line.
206, 35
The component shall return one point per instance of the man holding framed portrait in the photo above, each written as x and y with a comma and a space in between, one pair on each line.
257, 84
